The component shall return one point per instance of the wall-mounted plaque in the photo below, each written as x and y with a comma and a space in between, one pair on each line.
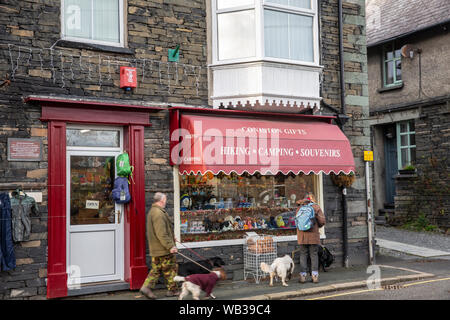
24, 149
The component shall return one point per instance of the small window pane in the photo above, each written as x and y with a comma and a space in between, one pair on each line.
404, 140
236, 33
413, 155
398, 53
106, 20
77, 18
288, 36
398, 68
225, 4
92, 138
412, 139
389, 72
305, 4
389, 55
412, 127
405, 157
404, 127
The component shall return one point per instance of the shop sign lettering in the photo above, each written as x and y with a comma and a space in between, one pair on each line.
245, 145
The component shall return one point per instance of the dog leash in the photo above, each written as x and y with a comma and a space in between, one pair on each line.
194, 261
198, 255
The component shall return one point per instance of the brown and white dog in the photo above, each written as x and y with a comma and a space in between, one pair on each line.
281, 267
195, 283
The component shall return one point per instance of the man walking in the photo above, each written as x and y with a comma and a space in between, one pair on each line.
161, 243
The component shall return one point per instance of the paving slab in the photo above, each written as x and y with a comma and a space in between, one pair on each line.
410, 249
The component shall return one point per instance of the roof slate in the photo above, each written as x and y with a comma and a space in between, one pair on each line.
386, 19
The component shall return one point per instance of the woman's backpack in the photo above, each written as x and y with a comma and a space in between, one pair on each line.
304, 219
121, 193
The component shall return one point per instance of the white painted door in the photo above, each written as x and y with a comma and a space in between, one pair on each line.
94, 222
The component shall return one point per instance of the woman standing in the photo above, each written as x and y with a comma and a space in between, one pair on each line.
309, 240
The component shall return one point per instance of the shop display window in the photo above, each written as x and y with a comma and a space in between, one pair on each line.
216, 207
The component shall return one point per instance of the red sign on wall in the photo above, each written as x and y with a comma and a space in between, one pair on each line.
24, 149
128, 77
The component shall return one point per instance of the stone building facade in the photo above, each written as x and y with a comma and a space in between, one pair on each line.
419, 100
43, 79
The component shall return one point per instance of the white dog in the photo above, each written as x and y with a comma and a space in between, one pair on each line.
282, 267
195, 283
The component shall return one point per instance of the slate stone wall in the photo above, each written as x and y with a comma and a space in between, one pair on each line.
34, 61
426, 192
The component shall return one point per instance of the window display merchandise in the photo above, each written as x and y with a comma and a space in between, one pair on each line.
216, 207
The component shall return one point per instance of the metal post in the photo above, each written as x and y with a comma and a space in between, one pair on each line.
369, 216
344, 227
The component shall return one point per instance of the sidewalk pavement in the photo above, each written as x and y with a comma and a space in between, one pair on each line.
412, 244
400, 247
336, 279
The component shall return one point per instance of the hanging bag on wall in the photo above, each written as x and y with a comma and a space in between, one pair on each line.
121, 193
304, 218
124, 169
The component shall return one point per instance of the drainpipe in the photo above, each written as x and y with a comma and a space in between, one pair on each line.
341, 125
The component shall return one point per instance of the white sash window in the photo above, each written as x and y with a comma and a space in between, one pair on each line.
93, 21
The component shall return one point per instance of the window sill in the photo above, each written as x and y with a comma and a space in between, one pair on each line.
94, 47
227, 63
390, 88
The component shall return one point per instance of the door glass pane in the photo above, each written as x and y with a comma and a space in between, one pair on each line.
91, 183
306, 4
236, 34
106, 20
224, 4
92, 138
77, 18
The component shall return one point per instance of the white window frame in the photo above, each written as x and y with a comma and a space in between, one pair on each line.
409, 146
259, 6
318, 190
121, 42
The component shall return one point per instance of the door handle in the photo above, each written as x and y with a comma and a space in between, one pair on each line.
118, 216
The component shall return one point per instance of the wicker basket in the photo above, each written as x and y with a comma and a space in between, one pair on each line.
261, 245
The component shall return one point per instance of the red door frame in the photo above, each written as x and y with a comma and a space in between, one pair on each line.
133, 119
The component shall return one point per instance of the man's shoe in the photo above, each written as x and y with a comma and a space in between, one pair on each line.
147, 292
174, 293
302, 279
315, 279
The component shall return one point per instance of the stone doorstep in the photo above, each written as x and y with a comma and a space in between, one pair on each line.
337, 287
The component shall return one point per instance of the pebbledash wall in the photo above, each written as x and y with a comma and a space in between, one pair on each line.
34, 62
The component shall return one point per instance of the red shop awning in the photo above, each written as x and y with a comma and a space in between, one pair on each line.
205, 143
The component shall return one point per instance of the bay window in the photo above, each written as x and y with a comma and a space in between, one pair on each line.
277, 30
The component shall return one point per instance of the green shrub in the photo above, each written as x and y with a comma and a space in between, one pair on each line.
420, 223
